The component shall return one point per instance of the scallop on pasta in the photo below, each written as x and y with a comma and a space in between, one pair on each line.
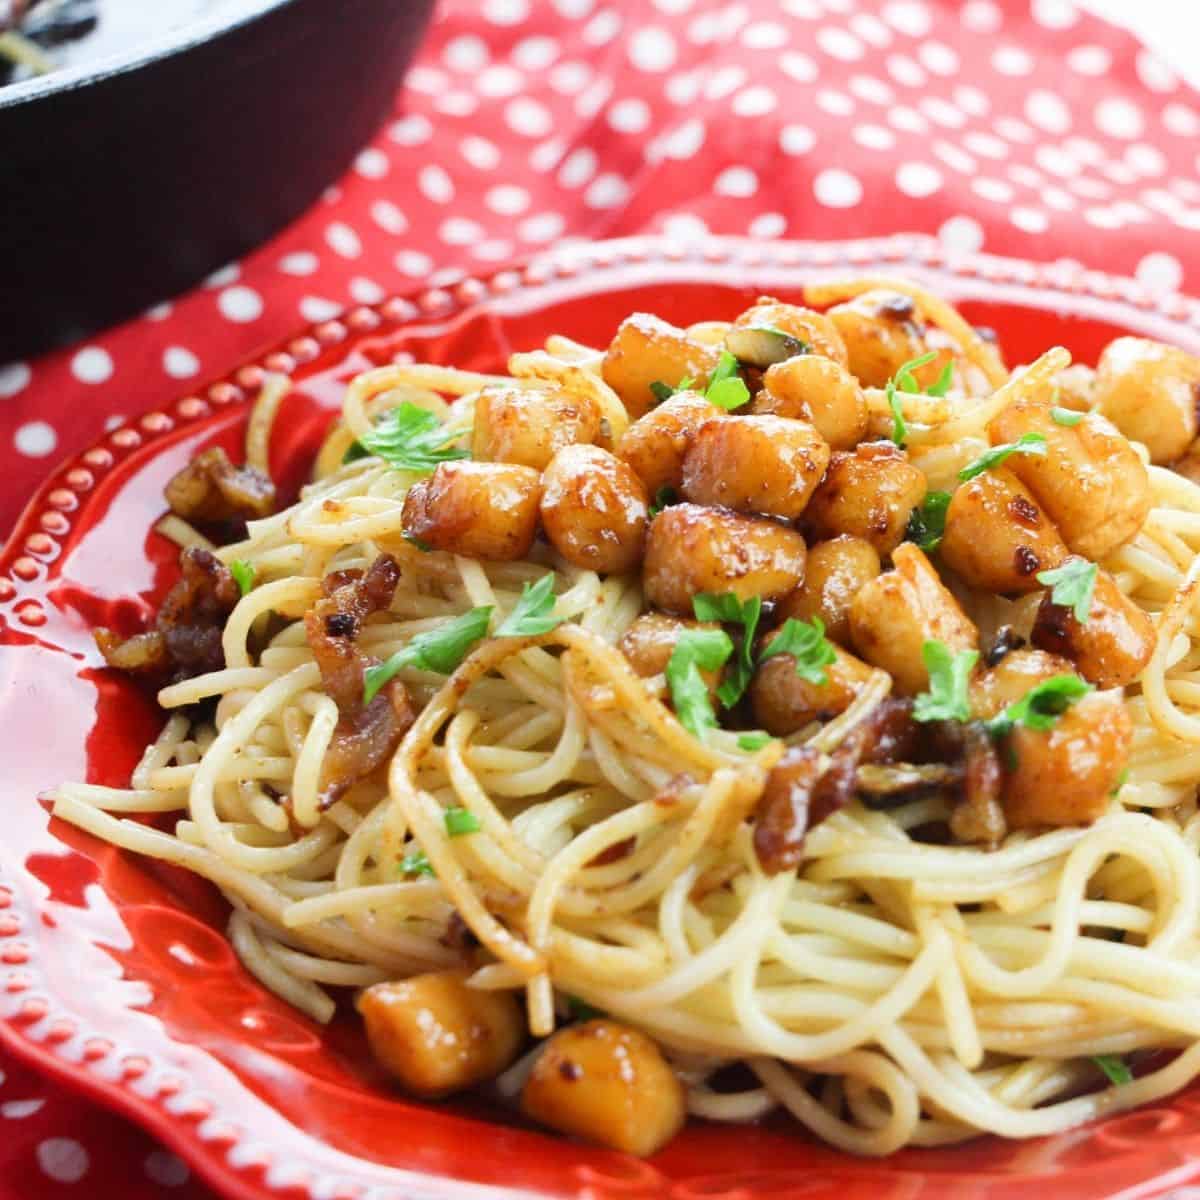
797, 711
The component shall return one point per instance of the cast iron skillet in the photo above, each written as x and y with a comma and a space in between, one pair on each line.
126, 182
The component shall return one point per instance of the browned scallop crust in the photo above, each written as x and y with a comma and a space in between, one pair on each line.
833, 575
882, 330
784, 701
529, 425
646, 350
807, 325
655, 445
820, 390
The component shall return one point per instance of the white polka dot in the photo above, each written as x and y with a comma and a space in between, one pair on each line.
907, 120
835, 188
460, 231
1181, 120
798, 66
435, 184
14, 378
1057, 199
479, 152
372, 163
166, 1169
179, 362
685, 228
754, 101
1025, 175
331, 195
1031, 220
764, 35
365, 291
943, 112
905, 71
768, 225
602, 28
1055, 161
505, 12
465, 53
427, 80
411, 130
413, 262
535, 53
92, 364
1014, 130
493, 250
1012, 60
631, 115
508, 199
1118, 118
63, 1159
961, 233
873, 137
724, 81
954, 158
938, 58
341, 239
1090, 189
18, 1110
1102, 218
456, 104
1089, 60
840, 44
240, 304
387, 216
806, 10
606, 191
578, 167
908, 16
544, 227
1118, 172
682, 142
995, 190
982, 16
672, 6
1055, 14
1084, 150
985, 144
499, 80
113, 422
871, 29
835, 103
159, 312
223, 276
1155, 73
873, 91
971, 100
526, 116
590, 101
683, 88
738, 182
652, 49
1047, 111
574, 10
1145, 159
796, 139
918, 179
547, 155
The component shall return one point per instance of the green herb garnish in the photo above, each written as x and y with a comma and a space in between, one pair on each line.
531, 615
696, 650
1027, 443
1072, 585
581, 1010
415, 863
1065, 416
663, 498
927, 523
729, 609
806, 642
664, 391
1122, 780
413, 540
1041, 706
439, 650
949, 676
411, 439
726, 388
1115, 1068
905, 381
754, 740
243, 574
460, 821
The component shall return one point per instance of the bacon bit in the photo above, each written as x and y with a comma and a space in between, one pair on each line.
978, 816
672, 791
366, 736
186, 638
211, 489
614, 853
1005, 642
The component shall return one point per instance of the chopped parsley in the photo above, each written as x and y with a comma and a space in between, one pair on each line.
948, 698
756, 739
460, 821
413, 540
726, 388
243, 574
806, 642
410, 439
663, 498
1065, 416
664, 391
905, 381
899, 426
1122, 780
729, 609
696, 650
581, 1010
1028, 443
927, 523
1072, 585
1041, 706
415, 863
439, 650
1115, 1068
531, 615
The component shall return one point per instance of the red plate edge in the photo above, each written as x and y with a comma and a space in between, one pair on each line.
567, 270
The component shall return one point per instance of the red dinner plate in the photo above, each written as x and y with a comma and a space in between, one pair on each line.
115, 974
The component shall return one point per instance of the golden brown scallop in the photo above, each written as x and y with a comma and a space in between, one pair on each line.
529, 425
646, 350
654, 445
834, 574
820, 390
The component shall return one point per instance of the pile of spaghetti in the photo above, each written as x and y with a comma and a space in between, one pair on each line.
806, 692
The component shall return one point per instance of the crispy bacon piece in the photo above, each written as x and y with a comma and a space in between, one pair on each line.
366, 735
979, 816
186, 638
210, 489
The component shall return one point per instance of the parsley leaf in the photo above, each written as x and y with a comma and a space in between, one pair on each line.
1072, 585
663, 498
806, 642
411, 439
696, 650
1122, 780
906, 381
531, 615
927, 523
413, 540
754, 740
949, 676
1065, 416
460, 821
899, 426
581, 1010
728, 608
726, 388
941, 385
439, 650
1027, 443
243, 574
1041, 706
1114, 1067
415, 863
664, 391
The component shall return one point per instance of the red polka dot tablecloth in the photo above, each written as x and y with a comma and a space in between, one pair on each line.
1026, 127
